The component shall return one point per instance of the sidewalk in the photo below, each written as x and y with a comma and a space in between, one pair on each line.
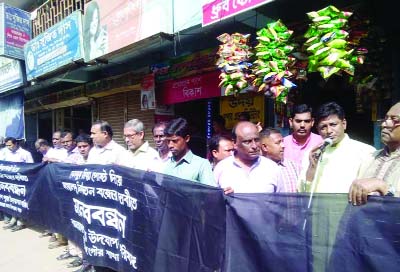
24, 251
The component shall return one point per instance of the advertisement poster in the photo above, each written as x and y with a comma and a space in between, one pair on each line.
112, 25
231, 107
56, 47
15, 31
11, 75
147, 94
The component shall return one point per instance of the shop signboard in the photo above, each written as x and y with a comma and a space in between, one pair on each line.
189, 88
112, 25
217, 10
11, 75
196, 63
15, 31
231, 107
58, 46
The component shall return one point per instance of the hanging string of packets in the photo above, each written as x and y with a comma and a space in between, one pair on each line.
271, 67
234, 55
327, 43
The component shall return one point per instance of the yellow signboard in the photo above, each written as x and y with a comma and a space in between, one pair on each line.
231, 107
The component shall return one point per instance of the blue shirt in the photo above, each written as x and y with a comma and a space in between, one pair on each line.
191, 167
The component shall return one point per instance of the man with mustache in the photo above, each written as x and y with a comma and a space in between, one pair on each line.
381, 172
183, 163
339, 164
272, 147
302, 139
246, 171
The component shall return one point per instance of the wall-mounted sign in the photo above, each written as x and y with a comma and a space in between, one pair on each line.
231, 107
197, 63
11, 75
217, 10
112, 25
189, 88
15, 31
58, 46
147, 94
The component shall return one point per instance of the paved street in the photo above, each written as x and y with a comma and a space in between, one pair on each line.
24, 251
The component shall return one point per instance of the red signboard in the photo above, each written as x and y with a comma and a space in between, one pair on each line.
189, 88
216, 10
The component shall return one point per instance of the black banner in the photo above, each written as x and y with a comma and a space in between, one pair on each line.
122, 218
132, 220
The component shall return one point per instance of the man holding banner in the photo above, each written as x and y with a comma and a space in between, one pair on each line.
381, 172
14, 153
183, 163
246, 171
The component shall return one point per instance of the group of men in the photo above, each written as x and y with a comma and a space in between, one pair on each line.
254, 161
250, 159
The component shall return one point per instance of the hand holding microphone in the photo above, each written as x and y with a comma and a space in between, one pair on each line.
317, 152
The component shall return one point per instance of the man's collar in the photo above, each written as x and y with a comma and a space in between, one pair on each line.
188, 157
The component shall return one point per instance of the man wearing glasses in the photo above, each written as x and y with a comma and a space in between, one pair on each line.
381, 173
143, 156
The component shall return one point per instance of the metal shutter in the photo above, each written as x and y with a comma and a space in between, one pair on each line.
112, 109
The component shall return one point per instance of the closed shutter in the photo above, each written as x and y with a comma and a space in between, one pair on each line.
146, 116
112, 109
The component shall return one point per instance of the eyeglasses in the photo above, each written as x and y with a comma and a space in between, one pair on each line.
131, 135
159, 136
390, 120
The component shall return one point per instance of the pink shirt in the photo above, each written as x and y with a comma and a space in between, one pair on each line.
295, 152
263, 176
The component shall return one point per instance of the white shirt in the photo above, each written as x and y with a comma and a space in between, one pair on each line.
19, 155
263, 176
145, 158
112, 153
58, 153
339, 167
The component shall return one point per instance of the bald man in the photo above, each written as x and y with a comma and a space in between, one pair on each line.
246, 171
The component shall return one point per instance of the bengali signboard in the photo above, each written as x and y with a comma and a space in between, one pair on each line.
197, 63
189, 88
231, 107
217, 10
15, 31
11, 75
112, 25
56, 47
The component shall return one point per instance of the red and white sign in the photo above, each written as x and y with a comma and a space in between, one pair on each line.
147, 95
189, 88
217, 10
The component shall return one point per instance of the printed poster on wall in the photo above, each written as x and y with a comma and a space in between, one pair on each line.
58, 46
147, 94
15, 31
11, 75
112, 25
231, 107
